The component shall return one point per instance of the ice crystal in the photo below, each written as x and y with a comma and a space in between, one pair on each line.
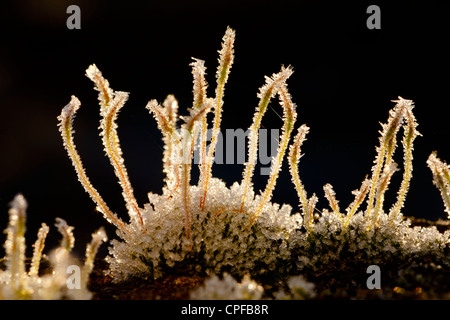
17, 283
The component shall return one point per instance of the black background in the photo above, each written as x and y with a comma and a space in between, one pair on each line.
345, 78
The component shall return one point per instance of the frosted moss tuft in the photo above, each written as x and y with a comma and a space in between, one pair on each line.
16, 283
298, 288
215, 229
228, 288
220, 239
210, 227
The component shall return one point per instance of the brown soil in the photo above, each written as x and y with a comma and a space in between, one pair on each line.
171, 287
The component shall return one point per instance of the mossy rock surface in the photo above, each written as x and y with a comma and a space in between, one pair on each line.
417, 280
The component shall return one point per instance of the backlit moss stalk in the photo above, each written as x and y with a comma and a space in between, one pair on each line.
114, 152
91, 251
68, 240
65, 127
226, 59
166, 118
385, 150
15, 245
441, 178
289, 117
200, 96
265, 94
187, 154
360, 195
385, 179
110, 104
330, 195
410, 134
294, 158
38, 248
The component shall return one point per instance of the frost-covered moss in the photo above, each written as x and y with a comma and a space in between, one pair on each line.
228, 288
211, 228
208, 227
298, 288
221, 239
359, 246
62, 282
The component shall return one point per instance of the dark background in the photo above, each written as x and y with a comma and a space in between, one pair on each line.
345, 78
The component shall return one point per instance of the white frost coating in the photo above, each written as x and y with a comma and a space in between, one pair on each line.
228, 288
392, 240
220, 239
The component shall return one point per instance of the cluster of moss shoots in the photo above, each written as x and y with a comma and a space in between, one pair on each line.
214, 229
55, 283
